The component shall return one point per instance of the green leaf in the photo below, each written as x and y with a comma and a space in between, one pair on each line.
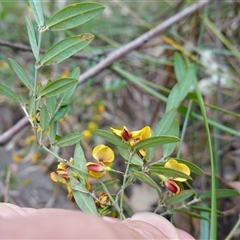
69, 139
32, 38
73, 16
66, 48
51, 104
57, 87
110, 137
53, 131
155, 141
75, 73
6, 91
181, 89
36, 6
60, 113
168, 172
191, 214
80, 161
108, 183
21, 74
205, 209
146, 179
84, 201
180, 198
179, 66
220, 193
193, 167
173, 131
44, 118
165, 122
138, 82
64, 97
135, 159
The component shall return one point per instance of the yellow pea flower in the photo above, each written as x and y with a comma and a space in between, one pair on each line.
173, 164
103, 154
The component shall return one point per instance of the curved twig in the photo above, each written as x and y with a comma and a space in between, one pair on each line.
136, 43
6, 136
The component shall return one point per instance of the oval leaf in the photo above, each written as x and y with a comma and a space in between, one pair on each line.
36, 6
165, 122
32, 38
21, 74
220, 193
44, 118
110, 137
6, 91
60, 113
192, 214
73, 16
66, 48
146, 179
69, 139
84, 201
135, 159
180, 198
58, 86
179, 66
168, 172
173, 131
155, 141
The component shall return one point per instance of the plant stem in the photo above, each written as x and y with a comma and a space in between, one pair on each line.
125, 175
35, 86
213, 230
119, 210
63, 160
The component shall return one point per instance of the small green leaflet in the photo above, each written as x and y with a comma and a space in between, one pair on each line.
146, 179
180, 198
135, 159
57, 87
173, 131
66, 48
69, 139
179, 66
110, 137
44, 118
6, 91
84, 201
32, 37
168, 172
36, 6
73, 16
21, 74
155, 141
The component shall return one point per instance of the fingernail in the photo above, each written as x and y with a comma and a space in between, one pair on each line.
157, 221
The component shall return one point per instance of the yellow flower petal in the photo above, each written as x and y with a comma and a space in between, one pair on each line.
117, 132
143, 133
172, 163
103, 154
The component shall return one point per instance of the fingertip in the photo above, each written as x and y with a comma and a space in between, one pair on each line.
157, 221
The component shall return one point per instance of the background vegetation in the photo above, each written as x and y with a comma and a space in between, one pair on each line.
209, 38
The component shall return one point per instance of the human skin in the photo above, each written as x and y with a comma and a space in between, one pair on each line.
28, 223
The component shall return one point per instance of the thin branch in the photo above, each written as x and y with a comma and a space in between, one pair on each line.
26, 48
136, 43
6, 136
